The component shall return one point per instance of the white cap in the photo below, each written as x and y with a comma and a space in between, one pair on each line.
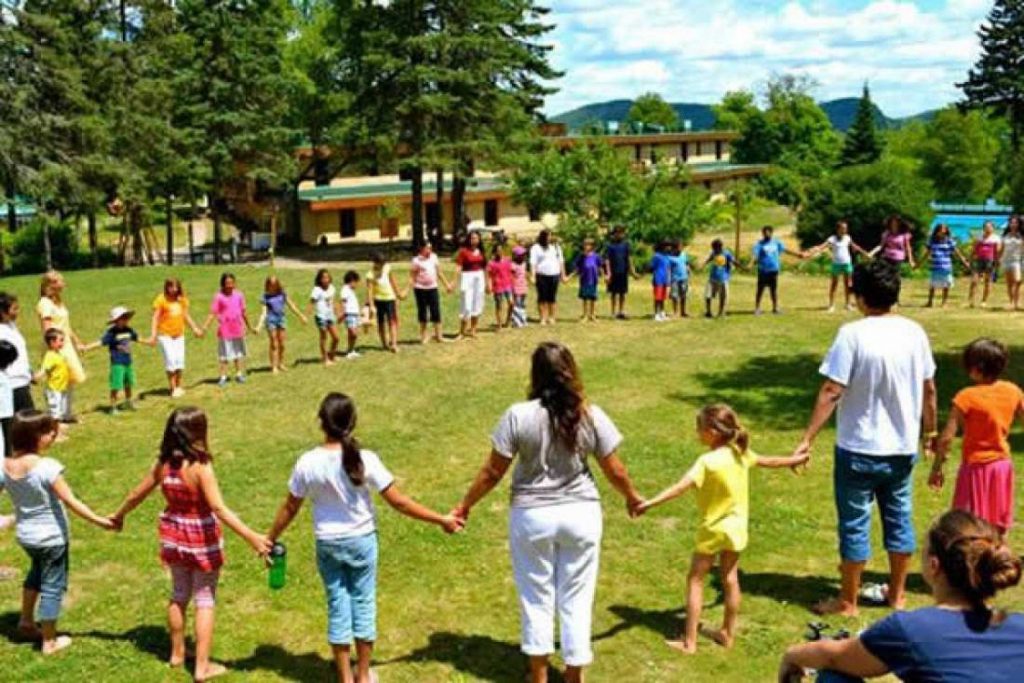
120, 312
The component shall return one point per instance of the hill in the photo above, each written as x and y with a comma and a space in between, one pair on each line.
841, 113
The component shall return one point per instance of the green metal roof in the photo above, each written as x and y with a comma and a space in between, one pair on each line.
393, 189
22, 209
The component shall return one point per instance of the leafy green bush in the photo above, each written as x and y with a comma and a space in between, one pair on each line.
28, 251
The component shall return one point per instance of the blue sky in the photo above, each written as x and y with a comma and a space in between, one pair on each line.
911, 51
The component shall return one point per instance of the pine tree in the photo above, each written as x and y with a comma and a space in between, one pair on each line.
863, 145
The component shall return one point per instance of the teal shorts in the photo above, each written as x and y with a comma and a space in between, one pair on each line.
842, 268
121, 377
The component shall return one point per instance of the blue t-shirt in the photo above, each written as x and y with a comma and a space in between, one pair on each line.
660, 265
679, 267
617, 254
275, 304
589, 268
721, 266
119, 341
768, 254
934, 645
942, 255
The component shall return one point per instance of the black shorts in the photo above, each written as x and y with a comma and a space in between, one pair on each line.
547, 288
769, 281
428, 305
22, 399
618, 283
386, 311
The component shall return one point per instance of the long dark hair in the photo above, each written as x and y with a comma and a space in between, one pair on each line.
338, 420
544, 238
972, 555
185, 437
28, 428
555, 381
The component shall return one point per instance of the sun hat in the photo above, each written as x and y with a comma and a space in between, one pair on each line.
119, 312
518, 250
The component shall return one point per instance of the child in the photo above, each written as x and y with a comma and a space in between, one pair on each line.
57, 375
338, 476
8, 354
39, 492
840, 245
499, 285
353, 313
118, 338
170, 314
984, 413
679, 277
722, 262
275, 299
721, 478
589, 267
660, 279
618, 255
941, 249
228, 307
985, 251
383, 293
423, 277
322, 300
191, 543
520, 286
19, 372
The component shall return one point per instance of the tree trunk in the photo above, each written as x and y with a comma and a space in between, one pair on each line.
458, 207
738, 206
417, 207
12, 211
439, 237
170, 231
215, 206
93, 241
47, 249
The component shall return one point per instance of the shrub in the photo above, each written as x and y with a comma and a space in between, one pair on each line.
28, 253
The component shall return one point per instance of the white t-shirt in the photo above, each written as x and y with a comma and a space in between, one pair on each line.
546, 261
840, 249
41, 520
350, 300
340, 509
19, 372
1013, 250
6, 398
883, 361
424, 272
323, 301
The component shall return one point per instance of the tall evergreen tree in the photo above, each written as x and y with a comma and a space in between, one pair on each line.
863, 144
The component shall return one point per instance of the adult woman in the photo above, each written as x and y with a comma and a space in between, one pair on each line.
555, 520
1011, 258
470, 263
53, 314
895, 245
961, 638
548, 267
983, 262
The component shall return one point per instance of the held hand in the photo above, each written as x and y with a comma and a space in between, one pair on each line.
304, 319
802, 449
452, 524
108, 524
937, 479
461, 512
261, 544
638, 509
800, 466
116, 523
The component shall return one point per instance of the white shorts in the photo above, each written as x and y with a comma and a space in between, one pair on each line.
173, 349
1012, 269
231, 349
472, 288
58, 403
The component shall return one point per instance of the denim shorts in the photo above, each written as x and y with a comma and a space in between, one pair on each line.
859, 481
348, 568
49, 577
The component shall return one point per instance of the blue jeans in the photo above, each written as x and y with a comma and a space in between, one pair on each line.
861, 479
49, 577
348, 567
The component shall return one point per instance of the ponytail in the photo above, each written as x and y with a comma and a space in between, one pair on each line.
338, 420
722, 420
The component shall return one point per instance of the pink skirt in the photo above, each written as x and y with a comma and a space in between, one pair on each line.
986, 490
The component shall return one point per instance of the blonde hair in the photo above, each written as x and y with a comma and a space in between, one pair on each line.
722, 420
46, 283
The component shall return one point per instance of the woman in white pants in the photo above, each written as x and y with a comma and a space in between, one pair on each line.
1011, 258
470, 264
555, 521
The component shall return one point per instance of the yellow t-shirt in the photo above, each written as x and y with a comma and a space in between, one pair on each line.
171, 320
58, 376
382, 289
723, 498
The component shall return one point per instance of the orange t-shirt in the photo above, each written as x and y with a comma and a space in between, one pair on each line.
989, 411
171, 320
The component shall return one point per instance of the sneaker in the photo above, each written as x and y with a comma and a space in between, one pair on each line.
757, 311
222, 382
830, 309
178, 392
113, 412
352, 355
128, 405
849, 307
240, 378
777, 311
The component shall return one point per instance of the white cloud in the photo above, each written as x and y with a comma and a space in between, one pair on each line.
694, 50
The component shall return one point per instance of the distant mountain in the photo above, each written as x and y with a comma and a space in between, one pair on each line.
840, 112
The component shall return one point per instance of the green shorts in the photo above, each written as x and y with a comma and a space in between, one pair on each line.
121, 377
842, 268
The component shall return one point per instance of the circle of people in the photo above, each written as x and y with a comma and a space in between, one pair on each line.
879, 375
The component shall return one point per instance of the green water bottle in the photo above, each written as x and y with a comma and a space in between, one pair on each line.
278, 565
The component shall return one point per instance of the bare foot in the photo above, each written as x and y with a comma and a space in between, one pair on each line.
274, 370
282, 368
28, 631
682, 646
720, 636
56, 645
393, 349
212, 671
328, 363
423, 341
835, 606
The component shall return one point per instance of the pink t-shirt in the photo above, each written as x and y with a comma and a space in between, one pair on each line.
500, 273
424, 272
987, 248
229, 310
520, 285
896, 246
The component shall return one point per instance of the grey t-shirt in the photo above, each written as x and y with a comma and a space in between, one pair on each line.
546, 472
39, 514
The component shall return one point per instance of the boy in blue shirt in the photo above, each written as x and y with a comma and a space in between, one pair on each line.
118, 339
660, 278
722, 262
619, 260
679, 268
768, 257
588, 266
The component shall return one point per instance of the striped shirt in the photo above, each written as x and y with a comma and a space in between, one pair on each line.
942, 255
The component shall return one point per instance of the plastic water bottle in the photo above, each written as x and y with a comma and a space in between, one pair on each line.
278, 566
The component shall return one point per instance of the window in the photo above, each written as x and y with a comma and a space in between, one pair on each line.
698, 149
638, 152
347, 222
491, 212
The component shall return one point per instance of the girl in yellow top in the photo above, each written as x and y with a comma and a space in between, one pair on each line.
721, 479
384, 294
53, 314
170, 315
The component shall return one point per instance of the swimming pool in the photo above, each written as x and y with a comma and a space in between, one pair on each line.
964, 226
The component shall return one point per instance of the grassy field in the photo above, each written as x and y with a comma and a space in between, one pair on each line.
448, 608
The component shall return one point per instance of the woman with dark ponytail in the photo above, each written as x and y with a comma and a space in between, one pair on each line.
961, 638
337, 476
555, 526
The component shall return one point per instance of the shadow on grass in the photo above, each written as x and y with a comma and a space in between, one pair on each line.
308, 666
148, 639
666, 622
474, 655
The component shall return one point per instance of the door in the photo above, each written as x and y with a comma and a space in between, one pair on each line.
434, 217
491, 212
347, 222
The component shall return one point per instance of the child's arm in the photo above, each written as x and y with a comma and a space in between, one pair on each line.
859, 249
937, 478
962, 258
196, 330
776, 462
91, 346
154, 324
674, 491
394, 287
295, 309
447, 283
206, 323
263, 319
211, 492
67, 496
248, 325
410, 508
137, 495
285, 514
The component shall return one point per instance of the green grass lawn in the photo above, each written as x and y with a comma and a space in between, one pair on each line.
447, 605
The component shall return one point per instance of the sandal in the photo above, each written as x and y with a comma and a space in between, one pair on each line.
874, 594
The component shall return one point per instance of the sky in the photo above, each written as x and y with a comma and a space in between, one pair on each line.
911, 52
